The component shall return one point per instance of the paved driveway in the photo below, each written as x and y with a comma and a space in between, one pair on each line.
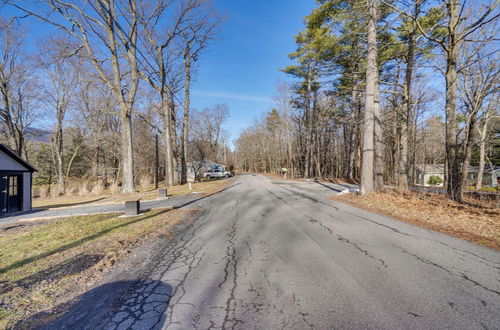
93, 209
263, 256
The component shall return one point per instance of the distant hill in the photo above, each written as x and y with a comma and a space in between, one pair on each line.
35, 134
39, 135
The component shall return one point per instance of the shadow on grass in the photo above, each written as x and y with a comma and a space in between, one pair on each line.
71, 245
68, 267
96, 308
132, 220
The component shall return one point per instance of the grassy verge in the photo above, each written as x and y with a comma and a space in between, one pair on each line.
146, 193
475, 221
45, 264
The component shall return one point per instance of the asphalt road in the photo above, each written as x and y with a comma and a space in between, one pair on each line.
262, 255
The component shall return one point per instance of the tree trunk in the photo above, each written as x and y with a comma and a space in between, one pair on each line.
173, 138
482, 152
454, 181
307, 149
467, 152
352, 132
128, 186
187, 68
367, 166
403, 151
59, 155
378, 136
166, 118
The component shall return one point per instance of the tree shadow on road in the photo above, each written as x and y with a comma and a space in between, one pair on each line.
108, 305
327, 186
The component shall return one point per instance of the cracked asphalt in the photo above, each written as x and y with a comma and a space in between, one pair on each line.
263, 256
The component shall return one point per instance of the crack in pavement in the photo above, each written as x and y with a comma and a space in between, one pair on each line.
304, 315
459, 275
149, 304
482, 260
248, 257
365, 252
339, 237
231, 321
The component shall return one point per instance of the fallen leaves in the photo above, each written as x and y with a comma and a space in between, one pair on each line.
475, 220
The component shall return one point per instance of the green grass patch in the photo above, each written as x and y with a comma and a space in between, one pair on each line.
44, 265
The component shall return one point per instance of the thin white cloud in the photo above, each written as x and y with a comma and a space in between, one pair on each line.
232, 96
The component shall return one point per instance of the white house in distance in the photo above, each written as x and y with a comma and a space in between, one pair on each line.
424, 172
15, 182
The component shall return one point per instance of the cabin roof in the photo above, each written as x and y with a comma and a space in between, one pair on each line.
18, 159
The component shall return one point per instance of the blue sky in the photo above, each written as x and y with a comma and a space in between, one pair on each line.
241, 68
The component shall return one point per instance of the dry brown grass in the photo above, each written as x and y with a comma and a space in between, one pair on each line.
46, 264
475, 221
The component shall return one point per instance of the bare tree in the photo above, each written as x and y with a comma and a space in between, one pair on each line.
63, 74
478, 87
160, 38
460, 25
106, 40
193, 40
490, 113
18, 104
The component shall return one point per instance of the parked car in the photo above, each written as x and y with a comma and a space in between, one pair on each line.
217, 173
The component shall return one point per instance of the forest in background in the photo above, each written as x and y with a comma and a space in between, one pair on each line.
113, 84
377, 89
382, 87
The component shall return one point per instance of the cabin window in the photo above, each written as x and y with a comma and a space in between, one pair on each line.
13, 186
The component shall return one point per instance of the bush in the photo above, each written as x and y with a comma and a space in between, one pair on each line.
435, 180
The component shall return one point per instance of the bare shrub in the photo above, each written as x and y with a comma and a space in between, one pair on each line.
72, 190
113, 188
145, 181
43, 191
39, 192
54, 191
83, 190
98, 189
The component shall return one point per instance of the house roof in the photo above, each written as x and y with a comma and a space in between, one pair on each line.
18, 159
439, 168
430, 168
206, 162
487, 169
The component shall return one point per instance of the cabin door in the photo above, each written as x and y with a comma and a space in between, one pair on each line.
3, 194
14, 199
10, 193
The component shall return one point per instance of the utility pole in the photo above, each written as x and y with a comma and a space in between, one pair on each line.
157, 169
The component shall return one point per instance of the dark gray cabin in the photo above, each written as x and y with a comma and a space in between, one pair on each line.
15, 182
